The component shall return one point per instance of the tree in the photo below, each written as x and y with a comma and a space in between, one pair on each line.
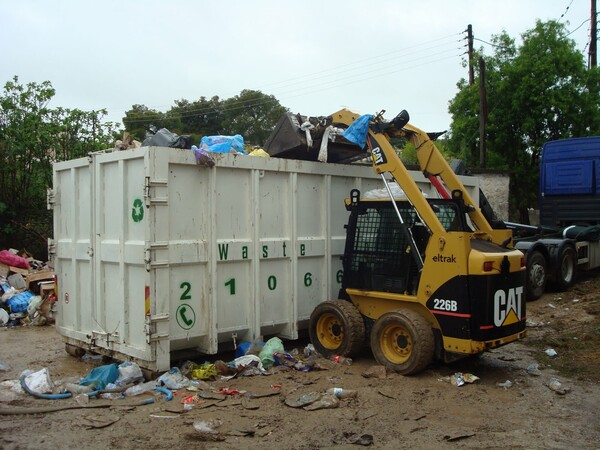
32, 137
538, 92
251, 114
140, 119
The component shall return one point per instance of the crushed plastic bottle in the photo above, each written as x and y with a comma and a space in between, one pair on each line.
338, 359
506, 384
342, 393
140, 388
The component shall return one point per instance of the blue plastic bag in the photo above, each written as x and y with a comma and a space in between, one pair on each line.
100, 376
19, 302
223, 144
358, 130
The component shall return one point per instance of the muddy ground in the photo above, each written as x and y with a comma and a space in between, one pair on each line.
423, 411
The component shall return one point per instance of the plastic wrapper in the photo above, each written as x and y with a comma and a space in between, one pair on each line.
40, 381
173, 379
273, 345
100, 376
223, 144
129, 372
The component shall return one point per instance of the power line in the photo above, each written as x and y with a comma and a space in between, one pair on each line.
567, 9
333, 72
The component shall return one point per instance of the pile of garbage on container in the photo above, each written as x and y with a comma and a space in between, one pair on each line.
26, 290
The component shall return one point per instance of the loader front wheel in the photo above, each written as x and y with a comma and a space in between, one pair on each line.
336, 328
402, 341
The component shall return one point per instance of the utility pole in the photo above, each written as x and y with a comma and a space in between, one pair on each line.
470, 47
483, 112
593, 51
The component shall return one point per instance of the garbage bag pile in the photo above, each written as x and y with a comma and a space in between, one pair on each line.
26, 290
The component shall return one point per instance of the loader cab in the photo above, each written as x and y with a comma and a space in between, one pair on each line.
378, 255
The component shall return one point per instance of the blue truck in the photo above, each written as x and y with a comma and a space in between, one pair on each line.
567, 238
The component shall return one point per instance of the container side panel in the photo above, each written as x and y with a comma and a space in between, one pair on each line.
235, 250
312, 284
73, 232
188, 236
275, 249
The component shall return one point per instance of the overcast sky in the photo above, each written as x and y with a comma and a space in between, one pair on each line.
315, 57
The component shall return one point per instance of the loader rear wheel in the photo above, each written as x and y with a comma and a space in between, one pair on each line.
402, 341
337, 328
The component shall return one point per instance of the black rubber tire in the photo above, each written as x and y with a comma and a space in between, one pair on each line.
565, 271
537, 275
336, 327
403, 341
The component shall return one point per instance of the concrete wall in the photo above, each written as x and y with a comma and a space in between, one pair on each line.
495, 186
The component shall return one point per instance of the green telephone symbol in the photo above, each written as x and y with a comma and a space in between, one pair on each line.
186, 317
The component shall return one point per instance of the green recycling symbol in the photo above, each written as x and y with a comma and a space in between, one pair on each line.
137, 212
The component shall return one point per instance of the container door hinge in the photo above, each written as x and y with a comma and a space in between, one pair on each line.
51, 248
50, 199
150, 326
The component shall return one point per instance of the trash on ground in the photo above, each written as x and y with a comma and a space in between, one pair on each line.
505, 384
534, 369
302, 400
273, 345
378, 372
173, 379
207, 426
140, 388
326, 401
558, 387
551, 352
4, 367
39, 382
358, 439
342, 393
129, 372
100, 376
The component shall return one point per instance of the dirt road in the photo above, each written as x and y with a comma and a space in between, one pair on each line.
424, 411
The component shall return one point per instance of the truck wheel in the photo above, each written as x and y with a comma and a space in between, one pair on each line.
402, 340
336, 327
565, 273
536, 275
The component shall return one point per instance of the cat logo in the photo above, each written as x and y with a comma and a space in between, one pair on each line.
507, 306
378, 156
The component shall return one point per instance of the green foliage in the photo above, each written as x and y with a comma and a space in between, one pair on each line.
32, 137
251, 114
538, 92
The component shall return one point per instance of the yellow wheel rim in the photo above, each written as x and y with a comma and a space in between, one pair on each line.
396, 344
330, 331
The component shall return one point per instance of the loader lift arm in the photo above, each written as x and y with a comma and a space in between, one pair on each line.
432, 164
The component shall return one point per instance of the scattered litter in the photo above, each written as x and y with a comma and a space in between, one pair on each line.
326, 401
303, 400
458, 437
359, 439
273, 345
576, 300
207, 426
100, 376
378, 372
39, 382
3, 366
551, 352
557, 387
457, 379
309, 350
506, 384
173, 379
140, 388
550, 305
129, 373
534, 369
